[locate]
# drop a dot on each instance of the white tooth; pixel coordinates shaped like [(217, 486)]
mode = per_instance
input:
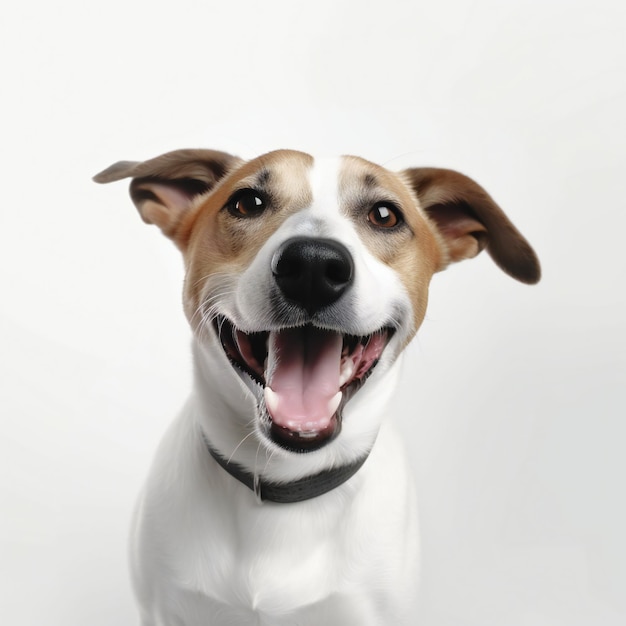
[(270, 361), (271, 399), (333, 404), (347, 369)]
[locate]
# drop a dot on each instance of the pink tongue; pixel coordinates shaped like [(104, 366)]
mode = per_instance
[(303, 393)]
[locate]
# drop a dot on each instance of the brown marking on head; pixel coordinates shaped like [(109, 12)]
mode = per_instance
[(186, 192), (218, 242), (410, 248)]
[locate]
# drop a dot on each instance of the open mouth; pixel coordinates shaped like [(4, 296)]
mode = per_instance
[(307, 375)]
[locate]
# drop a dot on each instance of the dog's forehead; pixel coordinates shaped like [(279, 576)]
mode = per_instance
[(320, 177), (324, 177), (287, 168)]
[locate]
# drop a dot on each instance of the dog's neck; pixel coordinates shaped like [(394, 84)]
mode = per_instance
[(298, 490)]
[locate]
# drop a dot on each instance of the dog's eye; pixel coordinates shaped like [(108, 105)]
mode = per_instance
[(384, 215), (246, 203)]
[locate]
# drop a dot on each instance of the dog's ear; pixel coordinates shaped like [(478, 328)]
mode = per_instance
[(469, 221), (163, 188)]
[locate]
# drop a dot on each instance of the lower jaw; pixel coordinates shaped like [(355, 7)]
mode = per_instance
[(304, 441)]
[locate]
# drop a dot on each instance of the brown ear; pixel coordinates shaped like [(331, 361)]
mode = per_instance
[(469, 221), (163, 188)]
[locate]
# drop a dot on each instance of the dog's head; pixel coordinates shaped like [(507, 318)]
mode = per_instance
[(307, 277)]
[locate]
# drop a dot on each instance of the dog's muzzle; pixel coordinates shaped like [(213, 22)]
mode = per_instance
[(308, 368)]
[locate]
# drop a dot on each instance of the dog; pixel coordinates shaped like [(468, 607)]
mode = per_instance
[(281, 495)]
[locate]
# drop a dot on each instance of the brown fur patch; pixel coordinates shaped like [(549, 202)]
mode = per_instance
[(218, 242), (411, 249)]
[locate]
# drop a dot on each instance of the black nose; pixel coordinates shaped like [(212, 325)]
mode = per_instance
[(312, 273)]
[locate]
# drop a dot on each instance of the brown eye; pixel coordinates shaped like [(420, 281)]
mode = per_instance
[(246, 203), (384, 215)]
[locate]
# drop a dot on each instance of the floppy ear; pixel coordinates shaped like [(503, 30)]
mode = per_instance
[(469, 221), (163, 188)]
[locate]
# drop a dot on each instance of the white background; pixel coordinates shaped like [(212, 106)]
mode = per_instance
[(513, 396)]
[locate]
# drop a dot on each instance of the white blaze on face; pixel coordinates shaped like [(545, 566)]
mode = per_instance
[(303, 385)]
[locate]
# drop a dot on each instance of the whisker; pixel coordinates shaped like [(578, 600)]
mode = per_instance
[(230, 458), (208, 309), (271, 456), (256, 463)]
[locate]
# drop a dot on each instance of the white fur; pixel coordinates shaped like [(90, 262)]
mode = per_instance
[(205, 551)]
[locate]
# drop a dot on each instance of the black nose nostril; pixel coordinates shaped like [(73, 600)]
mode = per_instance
[(312, 273), (338, 272)]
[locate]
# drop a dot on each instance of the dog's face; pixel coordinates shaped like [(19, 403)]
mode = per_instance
[(309, 276)]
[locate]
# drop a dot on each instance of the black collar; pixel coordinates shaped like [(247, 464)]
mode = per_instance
[(294, 491)]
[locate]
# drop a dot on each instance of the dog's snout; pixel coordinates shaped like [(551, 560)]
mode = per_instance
[(312, 273)]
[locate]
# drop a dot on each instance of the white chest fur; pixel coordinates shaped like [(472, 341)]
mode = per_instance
[(225, 558)]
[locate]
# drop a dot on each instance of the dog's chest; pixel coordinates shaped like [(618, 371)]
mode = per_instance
[(270, 561), (210, 554)]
